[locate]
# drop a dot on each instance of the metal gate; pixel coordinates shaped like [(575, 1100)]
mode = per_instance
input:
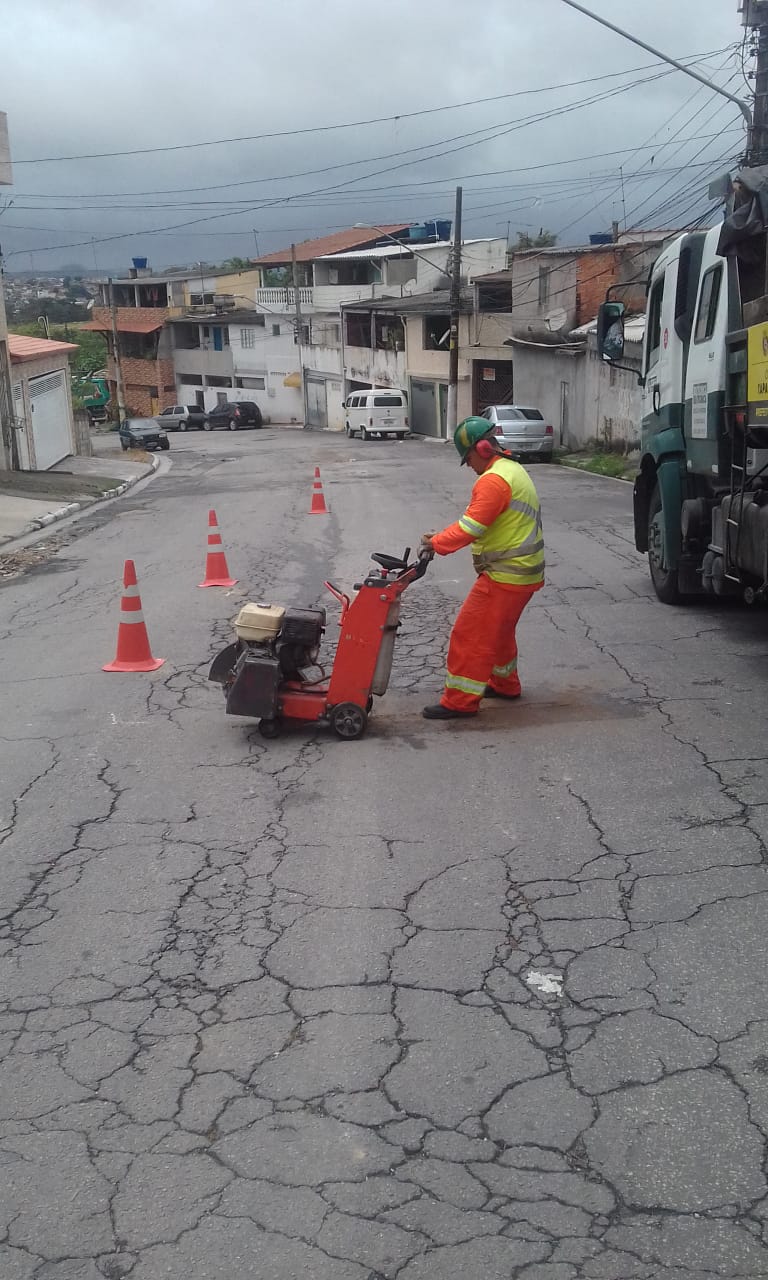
[(494, 383), (50, 419), (425, 420), (317, 402)]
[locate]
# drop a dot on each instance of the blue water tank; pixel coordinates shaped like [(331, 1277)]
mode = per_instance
[(602, 238), (139, 263), (444, 230)]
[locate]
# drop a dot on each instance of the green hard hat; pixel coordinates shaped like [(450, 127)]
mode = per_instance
[(467, 434)]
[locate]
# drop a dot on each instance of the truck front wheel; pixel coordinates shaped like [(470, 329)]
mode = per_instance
[(665, 581)]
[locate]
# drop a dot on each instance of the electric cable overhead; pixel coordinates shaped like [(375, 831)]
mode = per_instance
[(355, 124)]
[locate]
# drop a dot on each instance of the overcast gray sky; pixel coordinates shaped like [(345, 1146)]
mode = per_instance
[(82, 76)]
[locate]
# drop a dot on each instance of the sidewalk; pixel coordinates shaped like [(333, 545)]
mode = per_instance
[(32, 500)]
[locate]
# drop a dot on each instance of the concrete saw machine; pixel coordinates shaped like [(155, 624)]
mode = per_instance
[(270, 672)]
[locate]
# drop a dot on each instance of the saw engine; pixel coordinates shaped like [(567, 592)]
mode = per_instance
[(274, 645)]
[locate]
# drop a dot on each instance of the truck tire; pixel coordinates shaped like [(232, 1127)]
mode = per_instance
[(665, 581)]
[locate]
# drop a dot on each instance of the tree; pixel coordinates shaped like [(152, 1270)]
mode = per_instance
[(544, 240), (236, 264), (92, 347)]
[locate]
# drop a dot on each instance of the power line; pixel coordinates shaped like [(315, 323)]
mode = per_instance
[(336, 187), (353, 124)]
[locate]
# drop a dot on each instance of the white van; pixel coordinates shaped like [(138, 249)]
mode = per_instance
[(378, 411)]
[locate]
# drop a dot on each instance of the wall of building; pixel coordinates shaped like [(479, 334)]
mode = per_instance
[(612, 399), (139, 377), (542, 377), (378, 368)]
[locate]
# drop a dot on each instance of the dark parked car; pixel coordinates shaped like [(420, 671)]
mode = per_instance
[(233, 415), (143, 433), (182, 417)]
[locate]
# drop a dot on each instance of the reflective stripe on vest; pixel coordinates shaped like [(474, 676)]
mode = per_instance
[(511, 549)]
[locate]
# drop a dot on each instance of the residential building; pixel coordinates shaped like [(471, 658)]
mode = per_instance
[(145, 301), (404, 342), (348, 272), (9, 452), (237, 355), (546, 293), (42, 401), (142, 302)]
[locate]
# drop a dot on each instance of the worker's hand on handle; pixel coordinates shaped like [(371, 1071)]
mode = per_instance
[(426, 542)]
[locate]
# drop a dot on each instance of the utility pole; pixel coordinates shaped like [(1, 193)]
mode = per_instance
[(453, 352), (116, 354), (755, 15), (299, 326)]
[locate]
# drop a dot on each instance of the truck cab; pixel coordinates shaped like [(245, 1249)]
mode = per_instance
[(704, 446)]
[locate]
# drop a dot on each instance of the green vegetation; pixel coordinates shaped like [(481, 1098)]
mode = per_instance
[(602, 464), (92, 347), (544, 240)]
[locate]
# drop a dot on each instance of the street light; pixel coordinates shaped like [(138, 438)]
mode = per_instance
[(649, 48)]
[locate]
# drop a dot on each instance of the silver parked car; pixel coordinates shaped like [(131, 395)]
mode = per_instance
[(522, 430)]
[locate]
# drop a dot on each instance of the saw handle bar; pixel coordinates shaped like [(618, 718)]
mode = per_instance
[(411, 572)]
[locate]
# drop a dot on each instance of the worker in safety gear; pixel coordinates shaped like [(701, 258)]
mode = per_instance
[(503, 525)]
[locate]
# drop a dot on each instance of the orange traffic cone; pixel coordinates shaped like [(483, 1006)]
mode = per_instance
[(133, 651), (216, 570), (318, 507)]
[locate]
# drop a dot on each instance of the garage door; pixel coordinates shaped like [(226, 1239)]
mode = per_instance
[(50, 419), (317, 403)]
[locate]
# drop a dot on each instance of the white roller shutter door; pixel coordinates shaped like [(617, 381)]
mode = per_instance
[(50, 420)]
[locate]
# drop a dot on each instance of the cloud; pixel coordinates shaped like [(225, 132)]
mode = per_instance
[(84, 77)]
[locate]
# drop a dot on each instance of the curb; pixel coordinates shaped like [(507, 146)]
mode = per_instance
[(60, 513)]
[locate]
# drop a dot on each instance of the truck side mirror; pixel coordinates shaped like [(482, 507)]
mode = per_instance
[(610, 331)]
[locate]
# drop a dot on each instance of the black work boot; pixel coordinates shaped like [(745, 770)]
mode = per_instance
[(439, 712), (490, 692)]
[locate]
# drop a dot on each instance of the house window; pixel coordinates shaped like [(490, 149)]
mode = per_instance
[(358, 328), (251, 384), (275, 330), (247, 338), (192, 379), (544, 274), (201, 299), (214, 380), (437, 331)]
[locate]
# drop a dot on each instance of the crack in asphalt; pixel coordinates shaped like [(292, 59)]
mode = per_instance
[(215, 1045)]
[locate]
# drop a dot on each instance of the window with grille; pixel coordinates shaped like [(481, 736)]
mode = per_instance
[(247, 338)]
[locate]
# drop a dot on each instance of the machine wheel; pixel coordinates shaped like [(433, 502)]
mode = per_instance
[(369, 704), (270, 728), (665, 581), (348, 721)]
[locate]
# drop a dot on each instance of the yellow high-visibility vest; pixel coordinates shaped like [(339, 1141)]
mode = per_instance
[(511, 550)]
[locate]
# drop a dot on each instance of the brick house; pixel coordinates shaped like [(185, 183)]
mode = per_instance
[(546, 293)]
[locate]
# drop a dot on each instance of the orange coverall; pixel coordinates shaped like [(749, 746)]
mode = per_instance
[(483, 645)]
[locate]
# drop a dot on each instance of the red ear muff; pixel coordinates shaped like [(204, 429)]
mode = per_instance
[(484, 449)]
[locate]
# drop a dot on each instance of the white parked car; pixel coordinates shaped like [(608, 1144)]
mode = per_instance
[(379, 411), (522, 430)]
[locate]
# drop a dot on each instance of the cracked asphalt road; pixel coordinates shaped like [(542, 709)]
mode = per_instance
[(454, 1002)]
